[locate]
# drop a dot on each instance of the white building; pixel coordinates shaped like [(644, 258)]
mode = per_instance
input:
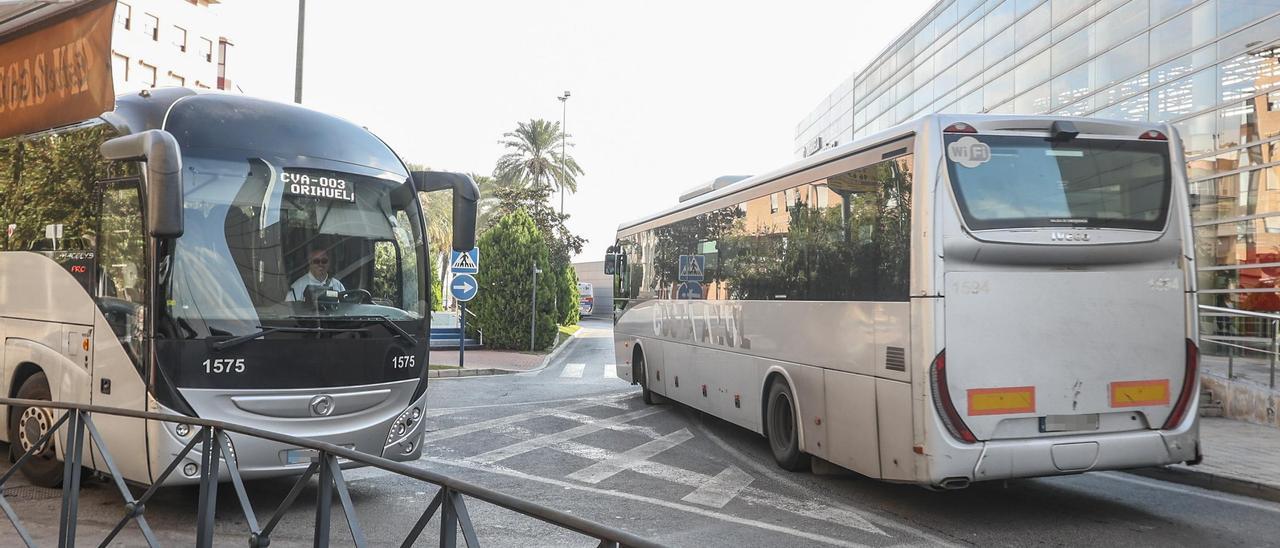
[(158, 43)]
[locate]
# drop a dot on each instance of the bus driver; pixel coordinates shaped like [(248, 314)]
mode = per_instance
[(317, 274)]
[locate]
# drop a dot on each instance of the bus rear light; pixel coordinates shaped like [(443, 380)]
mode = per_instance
[(1188, 387), (1153, 135), (942, 400), (960, 127)]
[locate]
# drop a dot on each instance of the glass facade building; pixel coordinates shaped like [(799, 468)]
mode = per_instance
[(1209, 67)]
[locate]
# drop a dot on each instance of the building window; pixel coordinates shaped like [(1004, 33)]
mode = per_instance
[(151, 26), (207, 44), (148, 74), (773, 203), (120, 67), (124, 15), (180, 38)]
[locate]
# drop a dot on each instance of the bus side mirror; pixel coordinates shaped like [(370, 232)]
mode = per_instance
[(610, 266), (466, 197), (160, 151)]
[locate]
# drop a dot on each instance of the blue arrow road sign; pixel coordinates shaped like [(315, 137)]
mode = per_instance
[(465, 262), (463, 287), (689, 290)]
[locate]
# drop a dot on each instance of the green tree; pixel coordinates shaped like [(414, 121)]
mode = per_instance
[(510, 249), (568, 296), (535, 158), (533, 200)]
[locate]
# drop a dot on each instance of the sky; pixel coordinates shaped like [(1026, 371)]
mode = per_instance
[(665, 95)]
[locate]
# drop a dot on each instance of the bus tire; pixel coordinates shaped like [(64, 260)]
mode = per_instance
[(782, 428), (641, 375), (26, 425)]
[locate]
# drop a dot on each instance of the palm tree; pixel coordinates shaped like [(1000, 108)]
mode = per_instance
[(535, 157)]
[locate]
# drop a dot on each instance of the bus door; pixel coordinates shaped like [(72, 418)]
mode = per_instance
[(1066, 309), (119, 349)]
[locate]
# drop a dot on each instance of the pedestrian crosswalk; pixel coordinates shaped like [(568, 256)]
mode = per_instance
[(582, 370)]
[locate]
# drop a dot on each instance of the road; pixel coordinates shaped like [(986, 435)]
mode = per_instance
[(574, 437)]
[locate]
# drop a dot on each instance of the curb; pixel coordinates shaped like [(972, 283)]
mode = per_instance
[(1212, 482), (459, 373), (546, 361)]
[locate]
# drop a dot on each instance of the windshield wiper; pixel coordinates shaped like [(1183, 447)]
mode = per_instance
[(223, 345), (388, 322)]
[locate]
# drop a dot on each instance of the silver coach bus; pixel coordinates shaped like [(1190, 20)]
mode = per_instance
[(960, 298), (222, 257)]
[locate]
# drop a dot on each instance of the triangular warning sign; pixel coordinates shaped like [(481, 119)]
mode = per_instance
[(691, 268), (463, 262)]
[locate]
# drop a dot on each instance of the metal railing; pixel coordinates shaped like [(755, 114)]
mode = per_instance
[(449, 500), (478, 330), (1273, 342)]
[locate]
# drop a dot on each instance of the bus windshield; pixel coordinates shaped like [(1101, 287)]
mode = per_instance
[(268, 244), (1004, 181)]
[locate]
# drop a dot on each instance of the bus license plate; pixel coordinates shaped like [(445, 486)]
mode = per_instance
[(1068, 423), (305, 456)]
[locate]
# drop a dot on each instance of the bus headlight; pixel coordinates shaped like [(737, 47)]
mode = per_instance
[(403, 427)]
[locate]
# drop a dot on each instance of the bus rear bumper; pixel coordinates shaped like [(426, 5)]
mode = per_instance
[(1026, 458)]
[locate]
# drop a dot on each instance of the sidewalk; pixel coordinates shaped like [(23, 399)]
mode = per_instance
[(1239, 457), (507, 360)]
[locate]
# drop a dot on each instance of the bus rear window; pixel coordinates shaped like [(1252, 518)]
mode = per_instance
[(1027, 182)]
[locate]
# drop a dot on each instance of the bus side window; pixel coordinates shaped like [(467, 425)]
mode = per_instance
[(122, 268)]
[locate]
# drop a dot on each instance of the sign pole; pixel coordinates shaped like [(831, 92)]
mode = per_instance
[(533, 308), (462, 335)]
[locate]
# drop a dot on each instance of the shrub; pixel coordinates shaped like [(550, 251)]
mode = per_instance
[(508, 252), (568, 290)]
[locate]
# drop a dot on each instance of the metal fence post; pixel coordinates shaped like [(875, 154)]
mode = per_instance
[(208, 497), (1275, 347), (73, 452), (324, 502), (448, 520)]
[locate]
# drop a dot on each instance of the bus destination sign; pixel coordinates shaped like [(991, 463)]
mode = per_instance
[(317, 184)]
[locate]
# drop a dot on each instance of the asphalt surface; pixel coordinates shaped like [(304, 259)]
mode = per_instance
[(574, 437)]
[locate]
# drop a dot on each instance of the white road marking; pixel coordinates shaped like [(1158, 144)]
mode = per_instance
[(1260, 505), (721, 489), (650, 500), (464, 429), (612, 398), (840, 509), (587, 419), (628, 459), (610, 371), (807, 508), (573, 371), (522, 447)]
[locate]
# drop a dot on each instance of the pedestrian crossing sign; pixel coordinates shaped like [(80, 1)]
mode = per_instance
[(465, 262), (692, 267)]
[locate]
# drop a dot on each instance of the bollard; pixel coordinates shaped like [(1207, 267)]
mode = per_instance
[(1231, 363)]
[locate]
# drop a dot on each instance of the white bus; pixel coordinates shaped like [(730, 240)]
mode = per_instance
[(222, 257), (957, 299), (586, 298)]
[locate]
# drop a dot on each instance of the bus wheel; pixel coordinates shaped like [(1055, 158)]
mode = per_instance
[(639, 373), (782, 428), (27, 425)]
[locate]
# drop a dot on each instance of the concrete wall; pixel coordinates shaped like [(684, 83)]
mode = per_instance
[(593, 272)]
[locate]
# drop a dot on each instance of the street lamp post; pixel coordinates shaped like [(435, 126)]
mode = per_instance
[(297, 77), (564, 125), (533, 308)]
